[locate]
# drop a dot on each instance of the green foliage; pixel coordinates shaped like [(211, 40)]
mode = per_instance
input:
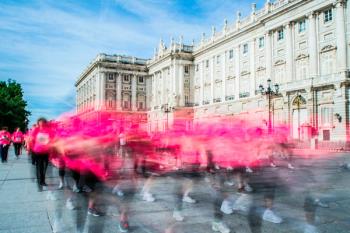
[(13, 111)]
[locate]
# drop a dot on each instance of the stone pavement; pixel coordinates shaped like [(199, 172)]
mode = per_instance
[(25, 210)]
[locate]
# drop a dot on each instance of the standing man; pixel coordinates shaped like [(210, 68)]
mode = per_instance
[(17, 139), (5, 141)]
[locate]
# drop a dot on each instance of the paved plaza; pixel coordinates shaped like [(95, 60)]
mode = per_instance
[(25, 210)]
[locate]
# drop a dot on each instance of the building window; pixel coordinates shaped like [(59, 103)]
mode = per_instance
[(245, 48), (328, 63), (111, 77), (207, 63), (326, 116), (126, 104), (187, 69), (280, 34), (328, 15), (140, 105), (231, 54), (261, 42), (140, 79), (302, 26), (126, 79), (218, 59)]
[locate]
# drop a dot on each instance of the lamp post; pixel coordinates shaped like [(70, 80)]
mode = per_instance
[(298, 101), (167, 109), (270, 91)]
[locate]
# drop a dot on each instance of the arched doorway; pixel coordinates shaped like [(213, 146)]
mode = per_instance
[(299, 115)]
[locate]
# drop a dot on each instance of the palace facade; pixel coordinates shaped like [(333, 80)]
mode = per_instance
[(300, 45)]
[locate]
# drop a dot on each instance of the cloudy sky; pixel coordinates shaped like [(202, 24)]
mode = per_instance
[(45, 45)]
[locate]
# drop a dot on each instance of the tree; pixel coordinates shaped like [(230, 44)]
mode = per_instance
[(13, 111)]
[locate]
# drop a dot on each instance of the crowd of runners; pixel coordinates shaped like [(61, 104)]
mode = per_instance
[(105, 161)]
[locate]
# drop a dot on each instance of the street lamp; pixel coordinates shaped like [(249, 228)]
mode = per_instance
[(298, 101), (270, 92), (167, 109)]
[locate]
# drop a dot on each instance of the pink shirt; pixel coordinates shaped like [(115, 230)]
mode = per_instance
[(5, 137), (17, 137), (42, 139)]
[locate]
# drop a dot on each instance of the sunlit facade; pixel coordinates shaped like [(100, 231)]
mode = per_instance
[(302, 45)]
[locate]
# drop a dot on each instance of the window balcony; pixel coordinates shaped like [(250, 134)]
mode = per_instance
[(230, 97), (217, 100), (206, 102), (244, 95)]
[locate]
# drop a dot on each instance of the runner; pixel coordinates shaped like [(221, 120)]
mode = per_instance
[(5, 141), (41, 145), (17, 139)]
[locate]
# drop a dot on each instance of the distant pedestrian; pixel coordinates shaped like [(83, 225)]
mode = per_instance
[(17, 139), (5, 141), (41, 146)]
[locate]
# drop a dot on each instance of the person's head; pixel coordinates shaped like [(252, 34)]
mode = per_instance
[(4, 128), (41, 122)]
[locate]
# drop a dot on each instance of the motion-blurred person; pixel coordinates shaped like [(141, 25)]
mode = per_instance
[(5, 141), (41, 144), (17, 139)]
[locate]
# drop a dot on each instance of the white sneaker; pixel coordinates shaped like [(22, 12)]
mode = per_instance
[(148, 197), (249, 170), (57, 226), (229, 183), (118, 191), (177, 215), (290, 166), (188, 199), (242, 203), (75, 188), (310, 229), (60, 186), (220, 227), (270, 216), (248, 188), (69, 204), (226, 207)]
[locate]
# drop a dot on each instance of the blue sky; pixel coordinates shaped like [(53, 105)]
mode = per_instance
[(45, 45)]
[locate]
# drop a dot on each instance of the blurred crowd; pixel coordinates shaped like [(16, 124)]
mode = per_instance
[(109, 162)]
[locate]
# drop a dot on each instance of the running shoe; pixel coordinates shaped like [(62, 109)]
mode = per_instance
[(177, 216), (124, 226), (94, 212), (270, 216), (220, 227), (188, 199)]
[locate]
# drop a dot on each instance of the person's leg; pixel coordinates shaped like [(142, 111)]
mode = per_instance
[(2, 153), (46, 164), (6, 150), (38, 165)]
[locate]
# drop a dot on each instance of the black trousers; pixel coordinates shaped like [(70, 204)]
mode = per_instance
[(4, 152), (41, 162), (17, 147)]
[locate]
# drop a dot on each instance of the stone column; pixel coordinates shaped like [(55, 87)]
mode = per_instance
[(252, 67), (212, 79), (313, 46), (181, 85), (119, 91), (341, 37), (102, 90), (133, 93), (289, 52), (237, 71), (223, 98), (201, 99), (268, 56)]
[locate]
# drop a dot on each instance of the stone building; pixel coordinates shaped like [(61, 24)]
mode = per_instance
[(301, 45)]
